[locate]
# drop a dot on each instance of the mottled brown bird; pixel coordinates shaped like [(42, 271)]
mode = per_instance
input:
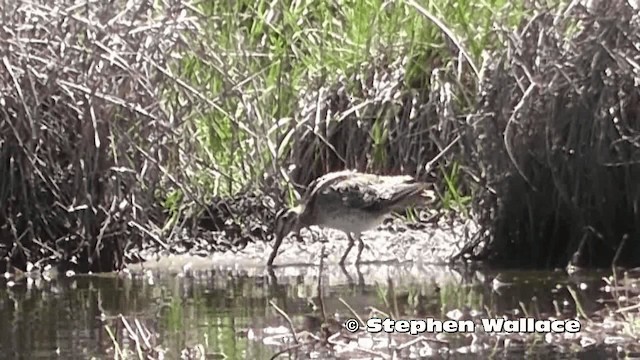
[(352, 202)]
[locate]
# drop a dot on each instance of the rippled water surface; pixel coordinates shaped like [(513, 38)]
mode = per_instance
[(229, 313)]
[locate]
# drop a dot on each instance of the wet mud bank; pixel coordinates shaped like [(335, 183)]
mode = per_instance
[(395, 241)]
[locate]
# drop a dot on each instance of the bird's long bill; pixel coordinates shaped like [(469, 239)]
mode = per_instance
[(276, 246), (285, 220)]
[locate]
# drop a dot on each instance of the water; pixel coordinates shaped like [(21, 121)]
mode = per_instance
[(229, 312)]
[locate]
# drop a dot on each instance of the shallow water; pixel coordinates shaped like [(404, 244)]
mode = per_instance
[(228, 311)]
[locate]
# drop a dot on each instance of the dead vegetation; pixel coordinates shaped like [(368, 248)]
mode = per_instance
[(97, 135), (550, 150), (369, 122), (86, 139), (99, 156), (557, 140)]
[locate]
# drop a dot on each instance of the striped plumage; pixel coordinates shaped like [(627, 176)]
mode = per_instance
[(352, 202)]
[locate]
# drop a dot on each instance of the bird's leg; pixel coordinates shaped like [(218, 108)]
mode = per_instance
[(346, 274), (274, 252), (346, 252), (360, 248)]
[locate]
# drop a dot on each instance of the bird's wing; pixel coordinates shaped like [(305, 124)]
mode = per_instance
[(373, 193), (323, 182)]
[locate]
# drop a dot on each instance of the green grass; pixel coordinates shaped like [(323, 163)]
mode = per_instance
[(257, 61), (453, 198)]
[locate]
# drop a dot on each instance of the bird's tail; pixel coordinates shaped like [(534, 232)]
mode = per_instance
[(410, 194)]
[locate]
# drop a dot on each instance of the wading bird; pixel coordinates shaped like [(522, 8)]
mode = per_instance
[(351, 202)]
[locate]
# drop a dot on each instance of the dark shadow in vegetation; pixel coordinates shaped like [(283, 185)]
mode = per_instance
[(557, 141)]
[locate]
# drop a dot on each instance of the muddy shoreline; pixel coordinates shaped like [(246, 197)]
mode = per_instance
[(394, 242)]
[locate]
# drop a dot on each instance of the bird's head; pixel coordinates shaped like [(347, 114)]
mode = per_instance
[(287, 222)]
